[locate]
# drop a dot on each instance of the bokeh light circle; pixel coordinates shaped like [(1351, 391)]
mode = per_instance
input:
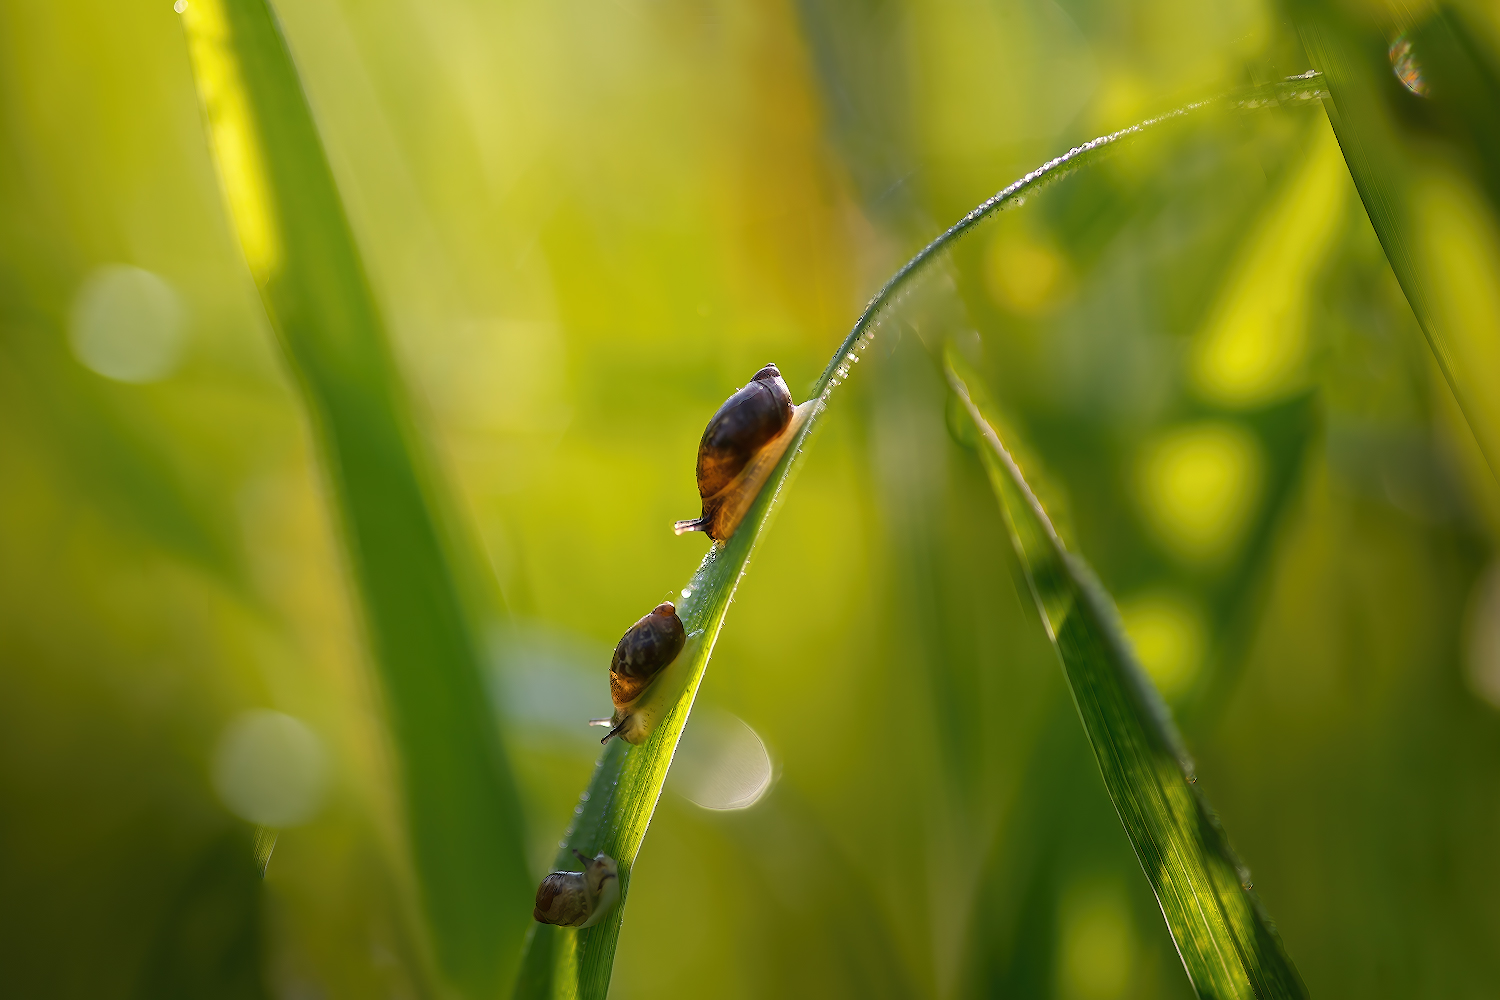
[(127, 324), (270, 769)]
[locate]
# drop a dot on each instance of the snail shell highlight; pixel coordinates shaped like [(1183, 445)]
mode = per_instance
[(579, 899), (742, 443), (646, 649)]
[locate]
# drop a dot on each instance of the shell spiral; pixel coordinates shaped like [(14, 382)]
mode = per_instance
[(578, 899), (646, 648), (739, 430), (741, 427)]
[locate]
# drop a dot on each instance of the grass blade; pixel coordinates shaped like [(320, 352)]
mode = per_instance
[(462, 812), (1387, 134), (616, 808), (1226, 942)]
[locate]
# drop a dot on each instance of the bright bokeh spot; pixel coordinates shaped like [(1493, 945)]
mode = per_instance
[(721, 763), (1254, 347), (1169, 636), (1096, 947), (1025, 275), (270, 769), (1198, 486), (127, 324)]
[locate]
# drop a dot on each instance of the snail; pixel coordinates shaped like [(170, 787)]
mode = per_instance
[(645, 650), (741, 445), (579, 899)]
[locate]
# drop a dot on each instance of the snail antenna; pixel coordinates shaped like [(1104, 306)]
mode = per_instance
[(615, 731), (696, 524)]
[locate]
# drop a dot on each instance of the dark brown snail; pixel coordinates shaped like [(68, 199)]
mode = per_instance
[(647, 648), (579, 899), (741, 445)]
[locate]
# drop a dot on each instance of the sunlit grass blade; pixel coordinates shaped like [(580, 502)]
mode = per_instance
[(462, 812), (616, 808), (1392, 132), (1227, 943)]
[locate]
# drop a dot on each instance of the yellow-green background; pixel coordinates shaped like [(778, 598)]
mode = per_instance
[(587, 224)]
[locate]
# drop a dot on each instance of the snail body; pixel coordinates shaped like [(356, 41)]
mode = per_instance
[(579, 899), (744, 440), (645, 650)]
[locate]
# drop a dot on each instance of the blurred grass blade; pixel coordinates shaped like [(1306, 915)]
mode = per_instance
[(462, 812), (616, 808), (1393, 133), (1227, 943)]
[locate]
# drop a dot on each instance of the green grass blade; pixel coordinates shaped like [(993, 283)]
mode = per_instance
[(1459, 120), (1226, 942), (616, 808), (462, 812)]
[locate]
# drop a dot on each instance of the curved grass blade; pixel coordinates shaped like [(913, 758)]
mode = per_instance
[(462, 812), (1227, 943), (616, 808), (1447, 104)]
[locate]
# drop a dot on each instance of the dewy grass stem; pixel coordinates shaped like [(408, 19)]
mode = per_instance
[(1294, 90), (615, 809)]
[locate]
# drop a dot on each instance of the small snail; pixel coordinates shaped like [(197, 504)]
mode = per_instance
[(647, 648), (579, 899), (741, 445)]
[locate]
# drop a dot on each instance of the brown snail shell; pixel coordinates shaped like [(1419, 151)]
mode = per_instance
[(646, 649), (578, 899), (735, 448)]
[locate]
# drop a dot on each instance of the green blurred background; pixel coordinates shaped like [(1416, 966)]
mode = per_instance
[(588, 223)]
